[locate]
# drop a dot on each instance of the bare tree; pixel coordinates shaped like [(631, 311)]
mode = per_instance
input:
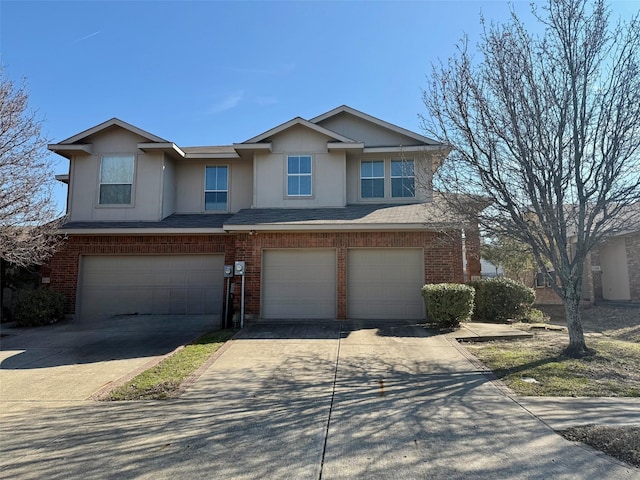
[(548, 129), (28, 219)]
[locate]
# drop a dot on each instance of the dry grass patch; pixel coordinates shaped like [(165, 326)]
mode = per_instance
[(536, 366), (165, 379)]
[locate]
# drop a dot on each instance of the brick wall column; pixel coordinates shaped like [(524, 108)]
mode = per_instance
[(342, 282), (472, 245)]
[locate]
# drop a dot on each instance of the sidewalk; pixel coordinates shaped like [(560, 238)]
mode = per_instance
[(557, 412)]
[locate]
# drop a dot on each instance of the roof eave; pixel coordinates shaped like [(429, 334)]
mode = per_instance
[(256, 146), (141, 231), (166, 147), (69, 150), (357, 146), (406, 149), (309, 227)]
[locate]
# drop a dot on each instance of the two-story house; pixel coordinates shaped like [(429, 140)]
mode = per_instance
[(334, 217)]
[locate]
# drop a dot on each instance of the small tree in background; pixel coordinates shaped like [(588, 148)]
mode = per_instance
[(28, 219), (513, 256), (548, 129)]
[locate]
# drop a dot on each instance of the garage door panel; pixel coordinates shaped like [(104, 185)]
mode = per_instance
[(298, 283), (385, 283), (153, 284)]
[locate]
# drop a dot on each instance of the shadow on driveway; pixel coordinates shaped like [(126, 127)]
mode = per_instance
[(117, 338)]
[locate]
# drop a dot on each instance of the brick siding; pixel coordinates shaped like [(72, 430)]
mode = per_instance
[(442, 255), (633, 259)]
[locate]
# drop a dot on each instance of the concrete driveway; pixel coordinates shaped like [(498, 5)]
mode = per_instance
[(70, 361), (324, 401)]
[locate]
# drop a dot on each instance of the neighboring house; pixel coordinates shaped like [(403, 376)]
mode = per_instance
[(615, 266), (334, 217)]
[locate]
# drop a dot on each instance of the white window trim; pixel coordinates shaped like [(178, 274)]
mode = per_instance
[(391, 176), (384, 180), (133, 181), (287, 175), (205, 191)]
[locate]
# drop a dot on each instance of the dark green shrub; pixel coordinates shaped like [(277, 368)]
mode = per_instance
[(39, 307), (448, 304), (500, 299)]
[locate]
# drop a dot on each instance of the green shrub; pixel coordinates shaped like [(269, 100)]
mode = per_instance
[(498, 300), (533, 315), (448, 304), (39, 307)]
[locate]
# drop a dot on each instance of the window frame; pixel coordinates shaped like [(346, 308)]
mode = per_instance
[(412, 177), (545, 281), (205, 190), (299, 175), (383, 178), (130, 156)]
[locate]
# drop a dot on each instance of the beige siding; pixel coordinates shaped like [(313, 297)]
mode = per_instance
[(152, 284), (299, 283), (615, 271), (363, 131), (190, 176), (85, 178), (168, 187), (329, 171), (385, 283), (422, 162)]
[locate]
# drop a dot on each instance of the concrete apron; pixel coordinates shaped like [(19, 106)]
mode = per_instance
[(370, 401), (69, 361)]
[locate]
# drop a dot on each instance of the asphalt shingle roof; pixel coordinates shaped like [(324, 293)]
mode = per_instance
[(173, 221), (427, 214)]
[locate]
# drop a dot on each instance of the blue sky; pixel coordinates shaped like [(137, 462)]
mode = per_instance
[(214, 73)]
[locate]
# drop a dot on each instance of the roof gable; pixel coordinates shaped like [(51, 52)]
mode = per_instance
[(299, 121), (108, 124), (330, 117)]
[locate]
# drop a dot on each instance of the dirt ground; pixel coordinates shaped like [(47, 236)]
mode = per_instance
[(620, 323)]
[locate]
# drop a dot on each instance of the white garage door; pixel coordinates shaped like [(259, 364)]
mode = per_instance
[(299, 283), (385, 283), (150, 284)]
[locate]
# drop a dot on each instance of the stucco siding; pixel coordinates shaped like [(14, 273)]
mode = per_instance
[(190, 175), (328, 172), (422, 162), (85, 180), (363, 131), (168, 187)]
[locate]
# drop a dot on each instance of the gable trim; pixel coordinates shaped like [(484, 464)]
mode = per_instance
[(110, 123), (376, 121), (299, 121)]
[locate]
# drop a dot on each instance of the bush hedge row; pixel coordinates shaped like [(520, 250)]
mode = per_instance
[(39, 307), (490, 300), (500, 299)]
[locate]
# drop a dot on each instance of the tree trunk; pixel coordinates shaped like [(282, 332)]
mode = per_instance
[(577, 347)]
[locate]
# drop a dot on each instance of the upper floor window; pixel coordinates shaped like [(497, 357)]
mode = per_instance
[(372, 179), (402, 178), (116, 179), (299, 175), (216, 188)]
